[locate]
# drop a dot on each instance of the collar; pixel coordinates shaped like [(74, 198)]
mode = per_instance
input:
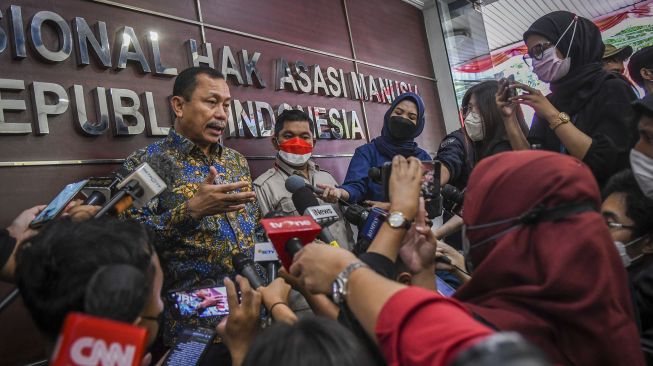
[(289, 170), (186, 146)]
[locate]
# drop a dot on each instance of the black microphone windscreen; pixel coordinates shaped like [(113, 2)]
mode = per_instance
[(295, 183), (374, 174), (272, 214), (164, 166), (304, 198), (245, 267)]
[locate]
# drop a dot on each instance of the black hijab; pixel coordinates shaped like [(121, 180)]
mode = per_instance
[(586, 74)]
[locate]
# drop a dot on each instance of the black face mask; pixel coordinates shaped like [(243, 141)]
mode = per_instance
[(401, 128)]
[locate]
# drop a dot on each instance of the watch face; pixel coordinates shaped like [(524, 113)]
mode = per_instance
[(396, 220)]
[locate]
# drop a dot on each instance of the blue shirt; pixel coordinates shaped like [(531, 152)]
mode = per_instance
[(357, 182)]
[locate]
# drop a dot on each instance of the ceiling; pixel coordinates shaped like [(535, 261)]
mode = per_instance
[(471, 34)]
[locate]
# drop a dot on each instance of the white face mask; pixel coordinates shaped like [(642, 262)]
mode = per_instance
[(642, 167), (552, 68), (621, 248), (474, 126)]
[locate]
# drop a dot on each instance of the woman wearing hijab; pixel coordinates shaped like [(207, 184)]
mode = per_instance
[(403, 122), (588, 114), (543, 261)]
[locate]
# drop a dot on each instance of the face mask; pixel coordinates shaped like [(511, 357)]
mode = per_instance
[(642, 167), (474, 126), (621, 248), (401, 128), (295, 152), (533, 216), (551, 68)]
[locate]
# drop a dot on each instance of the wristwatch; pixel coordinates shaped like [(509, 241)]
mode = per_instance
[(397, 220), (562, 119), (339, 287)]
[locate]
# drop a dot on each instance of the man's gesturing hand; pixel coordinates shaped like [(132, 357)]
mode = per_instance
[(212, 199)]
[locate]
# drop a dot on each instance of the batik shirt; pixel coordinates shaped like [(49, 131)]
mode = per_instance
[(193, 252)]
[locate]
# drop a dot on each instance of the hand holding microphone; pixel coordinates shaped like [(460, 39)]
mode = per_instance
[(318, 265), (212, 199)]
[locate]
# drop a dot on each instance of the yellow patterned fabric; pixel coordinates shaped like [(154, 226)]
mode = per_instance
[(193, 253)]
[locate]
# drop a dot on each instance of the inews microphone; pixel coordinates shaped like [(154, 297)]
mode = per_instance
[(88, 340), (266, 256), (99, 190), (245, 267), (137, 189), (304, 199), (295, 183), (290, 234)]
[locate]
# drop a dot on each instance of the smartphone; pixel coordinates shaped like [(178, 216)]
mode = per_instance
[(443, 287), (190, 347), (57, 205), (430, 189), (510, 91), (200, 302)]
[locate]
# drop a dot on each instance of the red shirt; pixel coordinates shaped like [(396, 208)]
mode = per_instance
[(421, 327)]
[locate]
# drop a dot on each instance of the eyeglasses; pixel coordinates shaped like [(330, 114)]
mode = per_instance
[(536, 52), (616, 225)]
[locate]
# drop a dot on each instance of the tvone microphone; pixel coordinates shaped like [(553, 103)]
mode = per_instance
[(304, 199), (245, 267), (99, 190), (290, 234), (89, 340), (266, 255), (137, 189)]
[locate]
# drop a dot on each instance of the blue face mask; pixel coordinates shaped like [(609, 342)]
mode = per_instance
[(533, 216)]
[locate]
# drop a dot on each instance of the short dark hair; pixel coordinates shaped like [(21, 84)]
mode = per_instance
[(54, 270), (639, 208), (642, 59), (311, 341), (186, 81), (290, 115)]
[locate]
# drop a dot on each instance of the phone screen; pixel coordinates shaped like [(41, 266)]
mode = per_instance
[(444, 288), (190, 347), (57, 205), (202, 302)]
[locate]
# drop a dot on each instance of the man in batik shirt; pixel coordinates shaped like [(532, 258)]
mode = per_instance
[(208, 212)]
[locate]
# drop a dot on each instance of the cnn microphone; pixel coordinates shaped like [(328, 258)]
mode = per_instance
[(304, 200), (89, 340), (295, 183), (137, 189), (290, 234), (245, 267), (99, 190)]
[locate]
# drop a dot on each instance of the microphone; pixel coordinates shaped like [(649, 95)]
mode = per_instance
[(245, 267), (295, 183), (290, 234), (99, 190), (137, 189), (266, 256), (89, 340), (304, 200), (374, 173), (369, 223), (453, 198)]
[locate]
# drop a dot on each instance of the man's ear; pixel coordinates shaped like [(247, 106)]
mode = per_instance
[(405, 278), (177, 104), (275, 143)]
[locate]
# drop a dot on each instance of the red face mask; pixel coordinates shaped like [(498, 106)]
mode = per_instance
[(295, 151)]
